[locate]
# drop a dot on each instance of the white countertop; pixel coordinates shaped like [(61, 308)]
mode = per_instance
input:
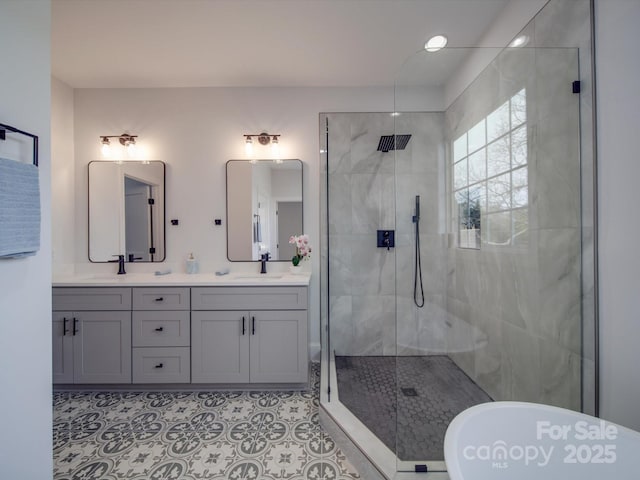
[(181, 280)]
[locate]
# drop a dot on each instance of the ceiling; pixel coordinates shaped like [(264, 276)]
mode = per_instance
[(252, 43)]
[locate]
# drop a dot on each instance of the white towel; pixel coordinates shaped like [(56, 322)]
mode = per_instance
[(19, 209)]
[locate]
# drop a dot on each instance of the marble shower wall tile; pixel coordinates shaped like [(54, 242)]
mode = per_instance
[(560, 287), (430, 189), (562, 373), (369, 315), (425, 151), (519, 294), (339, 144), (372, 202), (339, 201), (340, 265), (366, 194), (433, 328), (372, 268), (522, 357), (557, 171), (491, 370), (366, 130), (342, 328), (433, 266)]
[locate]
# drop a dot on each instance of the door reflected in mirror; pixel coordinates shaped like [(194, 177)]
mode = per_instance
[(126, 211), (264, 209)]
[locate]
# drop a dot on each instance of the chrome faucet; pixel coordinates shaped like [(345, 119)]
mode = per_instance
[(120, 264), (264, 258)]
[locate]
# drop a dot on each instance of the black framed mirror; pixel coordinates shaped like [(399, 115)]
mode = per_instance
[(127, 211), (264, 208)]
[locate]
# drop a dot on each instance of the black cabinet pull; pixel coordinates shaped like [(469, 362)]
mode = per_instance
[(253, 325), (159, 365), (244, 329), (160, 299), (64, 326), (75, 326), (159, 329)]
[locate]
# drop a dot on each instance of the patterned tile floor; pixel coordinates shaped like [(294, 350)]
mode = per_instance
[(257, 435)]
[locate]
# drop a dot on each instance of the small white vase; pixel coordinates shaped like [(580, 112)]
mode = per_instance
[(295, 270)]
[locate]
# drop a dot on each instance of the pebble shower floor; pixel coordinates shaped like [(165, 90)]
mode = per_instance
[(257, 435)]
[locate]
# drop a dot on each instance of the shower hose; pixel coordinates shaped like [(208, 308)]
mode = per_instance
[(418, 299)]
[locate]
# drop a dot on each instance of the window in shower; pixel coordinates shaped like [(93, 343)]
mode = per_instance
[(490, 178)]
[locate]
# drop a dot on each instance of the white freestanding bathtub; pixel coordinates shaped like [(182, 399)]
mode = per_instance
[(527, 441)]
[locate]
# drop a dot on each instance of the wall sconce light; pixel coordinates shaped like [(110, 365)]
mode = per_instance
[(264, 138), (126, 140)]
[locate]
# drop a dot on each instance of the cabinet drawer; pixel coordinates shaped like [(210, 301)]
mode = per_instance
[(161, 299), (91, 299), (161, 365), (249, 298), (161, 329)]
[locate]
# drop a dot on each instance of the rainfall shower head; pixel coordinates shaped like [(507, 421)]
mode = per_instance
[(393, 142)]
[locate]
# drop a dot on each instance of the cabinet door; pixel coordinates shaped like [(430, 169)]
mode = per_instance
[(279, 346), (62, 336), (220, 347), (102, 347)]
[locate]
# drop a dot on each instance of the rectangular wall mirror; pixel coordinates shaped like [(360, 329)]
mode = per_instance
[(127, 211), (264, 209)]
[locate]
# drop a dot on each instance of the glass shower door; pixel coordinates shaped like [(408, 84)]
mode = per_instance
[(489, 274)]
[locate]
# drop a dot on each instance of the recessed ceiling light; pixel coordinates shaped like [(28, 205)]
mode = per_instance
[(520, 41), (435, 43), (395, 114)]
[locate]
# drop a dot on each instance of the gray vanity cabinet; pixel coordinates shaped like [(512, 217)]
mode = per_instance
[(177, 335), (249, 335), (92, 335)]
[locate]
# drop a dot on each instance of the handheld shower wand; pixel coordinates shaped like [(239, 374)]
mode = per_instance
[(417, 271)]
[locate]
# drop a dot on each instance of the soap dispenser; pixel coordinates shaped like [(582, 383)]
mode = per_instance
[(192, 264)]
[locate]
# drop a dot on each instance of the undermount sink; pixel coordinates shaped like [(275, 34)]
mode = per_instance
[(102, 276), (258, 276)]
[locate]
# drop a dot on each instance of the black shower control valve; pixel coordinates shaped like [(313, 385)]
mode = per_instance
[(386, 239), (218, 221), (175, 221)]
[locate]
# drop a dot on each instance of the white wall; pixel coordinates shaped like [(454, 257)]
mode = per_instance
[(195, 131), (63, 180), (25, 284), (618, 104)]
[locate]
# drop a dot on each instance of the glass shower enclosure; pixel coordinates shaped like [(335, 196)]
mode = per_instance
[(457, 266)]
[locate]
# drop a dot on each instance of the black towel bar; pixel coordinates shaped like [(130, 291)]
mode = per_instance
[(3, 136)]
